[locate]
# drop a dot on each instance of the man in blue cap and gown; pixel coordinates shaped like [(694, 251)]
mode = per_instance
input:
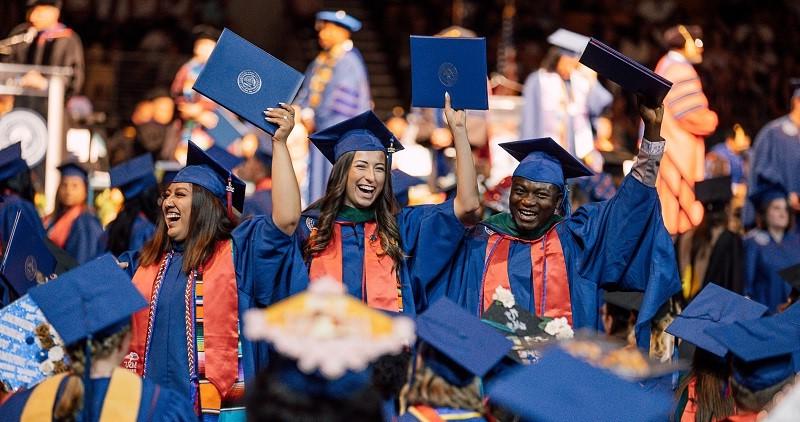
[(336, 88), (555, 263)]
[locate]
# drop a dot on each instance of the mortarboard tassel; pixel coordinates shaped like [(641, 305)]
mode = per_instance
[(389, 151), (229, 197)]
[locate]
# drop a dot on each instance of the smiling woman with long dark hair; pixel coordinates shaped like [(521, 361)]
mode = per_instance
[(358, 234), (200, 271)]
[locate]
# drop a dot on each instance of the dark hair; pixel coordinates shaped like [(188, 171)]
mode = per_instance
[(270, 400), (710, 374), (209, 224), (550, 60), (761, 215), (716, 215), (21, 184), (620, 321), (332, 203), (119, 230), (756, 400)]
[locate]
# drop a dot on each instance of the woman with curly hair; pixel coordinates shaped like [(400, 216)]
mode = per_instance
[(93, 320)]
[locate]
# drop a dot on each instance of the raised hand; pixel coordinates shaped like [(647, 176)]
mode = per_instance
[(456, 119), (652, 118), (283, 117)]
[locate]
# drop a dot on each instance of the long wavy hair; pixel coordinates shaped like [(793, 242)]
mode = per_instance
[(72, 399), (710, 374), (208, 223), (119, 230), (332, 202), (429, 389)]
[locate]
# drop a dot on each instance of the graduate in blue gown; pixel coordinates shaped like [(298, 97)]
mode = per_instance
[(336, 88), (202, 268), (357, 233), (775, 154), (73, 226), (770, 247), (135, 222), (16, 191), (258, 169), (93, 316), (555, 263)]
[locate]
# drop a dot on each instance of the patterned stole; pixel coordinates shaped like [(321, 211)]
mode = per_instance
[(550, 284), (213, 343), (380, 286), (59, 231)]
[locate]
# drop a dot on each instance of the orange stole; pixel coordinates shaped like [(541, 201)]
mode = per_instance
[(550, 285), (60, 230), (379, 284), (220, 320)]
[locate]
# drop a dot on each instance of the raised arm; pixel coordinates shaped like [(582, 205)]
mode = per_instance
[(645, 169), (285, 191), (467, 202)]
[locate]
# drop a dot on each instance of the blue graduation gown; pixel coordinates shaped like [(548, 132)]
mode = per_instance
[(84, 240), (8, 212), (764, 257), (345, 95), (259, 203), (263, 257), (620, 243), (775, 154), (156, 404), (429, 236)]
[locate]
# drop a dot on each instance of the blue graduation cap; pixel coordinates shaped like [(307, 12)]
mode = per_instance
[(544, 160), (571, 43), (11, 161), (449, 64), (134, 176), (227, 130), (341, 18), (79, 306), (222, 156), (712, 307), (766, 192), (762, 349), (401, 183), (246, 80), (461, 346), (169, 169), (562, 388), (73, 168), (203, 170), (364, 132)]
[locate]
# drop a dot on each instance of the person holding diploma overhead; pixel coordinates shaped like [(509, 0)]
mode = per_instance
[(201, 271), (336, 88), (73, 226), (555, 263), (385, 255)]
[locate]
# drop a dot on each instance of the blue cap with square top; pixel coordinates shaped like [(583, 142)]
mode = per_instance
[(544, 160), (203, 170), (11, 162), (341, 18), (714, 306), (364, 132), (134, 176)]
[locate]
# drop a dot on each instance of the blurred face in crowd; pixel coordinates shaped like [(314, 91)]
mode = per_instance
[(331, 34), (44, 17), (176, 205), (163, 110), (252, 170), (203, 48), (532, 203), (142, 113), (566, 65), (777, 214), (72, 191), (365, 179)]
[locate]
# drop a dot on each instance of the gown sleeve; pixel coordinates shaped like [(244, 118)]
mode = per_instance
[(431, 235), (622, 244), (83, 241), (269, 265)]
